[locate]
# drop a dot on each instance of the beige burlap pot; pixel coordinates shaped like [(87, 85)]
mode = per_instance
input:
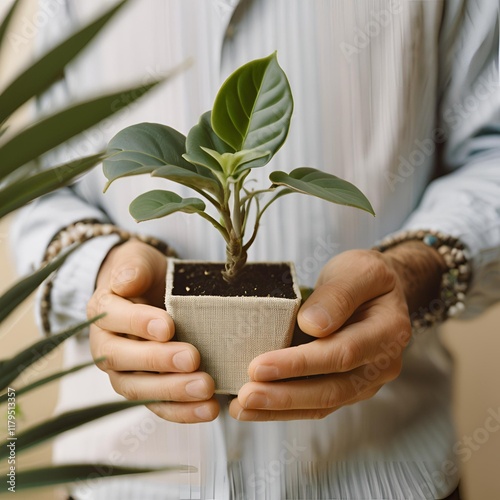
[(231, 331)]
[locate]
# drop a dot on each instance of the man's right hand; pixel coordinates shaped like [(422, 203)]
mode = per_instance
[(135, 338)]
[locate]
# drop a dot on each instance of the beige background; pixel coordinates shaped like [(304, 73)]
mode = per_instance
[(475, 346)]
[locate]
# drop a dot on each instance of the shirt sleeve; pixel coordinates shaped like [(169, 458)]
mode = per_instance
[(35, 225), (465, 203)]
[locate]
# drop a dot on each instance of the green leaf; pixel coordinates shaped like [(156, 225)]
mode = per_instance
[(142, 148), (26, 286), (193, 176), (41, 137), (202, 137), (24, 190), (325, 186), (158, 203), (6, 22), (253, 108), (49, 476), (24, 359), (65, 422), (49, 378), (41, 74)]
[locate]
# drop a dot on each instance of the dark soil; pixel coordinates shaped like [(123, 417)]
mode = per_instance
[(255, 280)]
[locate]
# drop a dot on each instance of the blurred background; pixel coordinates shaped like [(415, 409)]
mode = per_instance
[(475, 346)]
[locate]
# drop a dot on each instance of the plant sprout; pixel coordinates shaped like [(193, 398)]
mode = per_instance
[(248, 124)]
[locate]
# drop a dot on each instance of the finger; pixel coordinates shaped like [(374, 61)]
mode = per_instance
[(186, 413), (124, 316), (380, 338), (123, 354), (242, 414), (198, 386), (137, 269), (325, 392), (346, 282)]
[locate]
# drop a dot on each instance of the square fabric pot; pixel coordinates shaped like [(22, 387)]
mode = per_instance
[(229, 332)]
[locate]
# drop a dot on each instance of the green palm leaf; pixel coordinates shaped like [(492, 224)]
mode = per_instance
[(50, 378), (21, 192), (8, 18), (21, 290), (65, 422), (50, 132), (40, 75), (49, 476), (16, 365)]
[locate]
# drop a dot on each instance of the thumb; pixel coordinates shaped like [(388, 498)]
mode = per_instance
[(137, 268)]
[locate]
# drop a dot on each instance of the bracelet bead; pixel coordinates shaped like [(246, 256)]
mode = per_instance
[(454, 282)]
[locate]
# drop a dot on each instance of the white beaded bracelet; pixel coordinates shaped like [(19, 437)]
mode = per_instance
[(80, 232), (455, 281)]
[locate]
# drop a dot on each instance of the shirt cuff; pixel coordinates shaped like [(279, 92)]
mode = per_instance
[(74, 284)]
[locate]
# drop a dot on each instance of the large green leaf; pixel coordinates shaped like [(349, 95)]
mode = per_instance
[(24, 190), (49, 476), (65, 422), (252, 109), (16, 365), (26, 286), (6, 22), (194, 176), (202, 136), (50, 132), (326, 186), (41, 74), (158, 203), (142, 148)]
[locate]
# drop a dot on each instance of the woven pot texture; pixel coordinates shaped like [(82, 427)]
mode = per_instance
[(231, 331)]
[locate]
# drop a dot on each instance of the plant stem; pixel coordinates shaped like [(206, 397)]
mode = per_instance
[(222, 230)]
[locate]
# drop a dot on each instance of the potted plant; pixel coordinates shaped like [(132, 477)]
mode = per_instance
[(248, 124)]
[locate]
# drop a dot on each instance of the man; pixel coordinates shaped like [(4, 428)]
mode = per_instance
[(388, 95)]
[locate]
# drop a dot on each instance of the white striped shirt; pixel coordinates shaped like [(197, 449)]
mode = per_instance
[(375, 83)]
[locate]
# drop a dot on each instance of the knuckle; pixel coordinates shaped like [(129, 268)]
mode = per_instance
[(319, 414), (92, 307), (98, 303), (107, 351), (329, 397), (341, 296), (121, 384), (150, 361), (286, 402), (395, 369), (349, 356), (299, 364), (126, 388)]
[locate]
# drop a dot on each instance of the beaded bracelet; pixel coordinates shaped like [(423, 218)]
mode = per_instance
[(80, 232), (455, 281)]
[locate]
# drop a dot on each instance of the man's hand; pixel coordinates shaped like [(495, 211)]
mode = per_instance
[(360, 318), (135, 338)]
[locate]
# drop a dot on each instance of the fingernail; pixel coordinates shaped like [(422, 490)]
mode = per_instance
[(125, 276), (264, 373), (196, 389), (183, 361), (317, 316), (157, 328), (203, 412), (257, 400)]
